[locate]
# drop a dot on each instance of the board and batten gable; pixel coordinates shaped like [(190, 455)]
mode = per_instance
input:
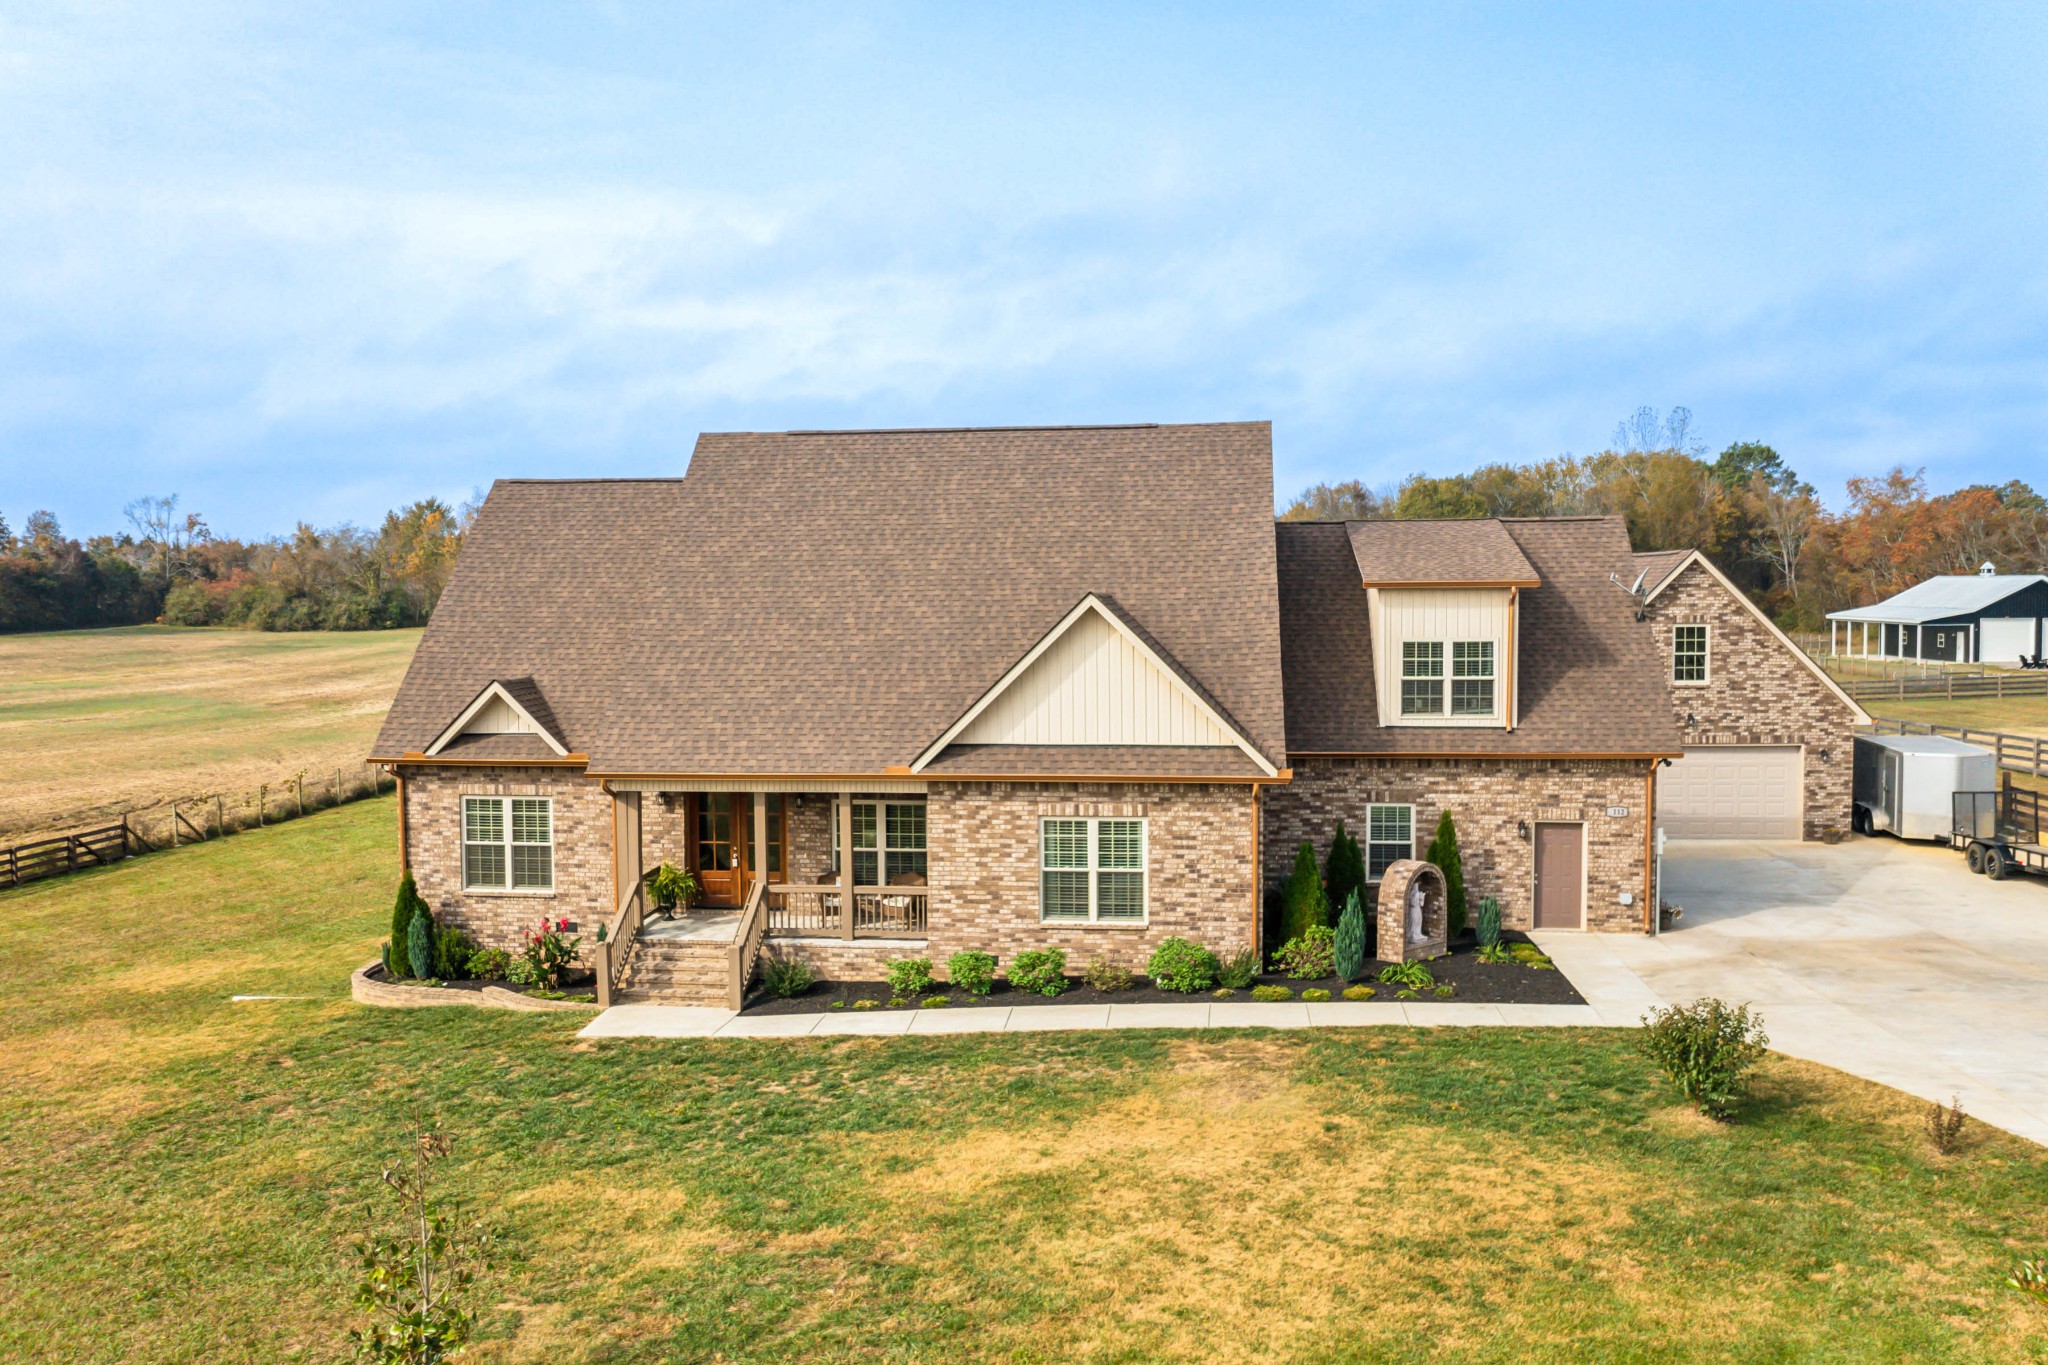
[(1093, 685), (1447, 615)]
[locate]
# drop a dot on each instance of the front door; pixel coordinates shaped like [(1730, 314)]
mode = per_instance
[(1560, 876), (718, 846)]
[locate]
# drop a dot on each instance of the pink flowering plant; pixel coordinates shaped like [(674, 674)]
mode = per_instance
[(549, 953)]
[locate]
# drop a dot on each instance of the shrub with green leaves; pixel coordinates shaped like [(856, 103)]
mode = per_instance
[(1359, 992), (1488, 926), (1105, 975), (1315, 995), (1238, 970), (934, 1002), (1707, 1048), (1302, 905), (1443, 851), (972, 971), (408, 904), (1414, 975), (1042, 971), (1497, 954), (452, 951), (522, 971), (489, 964), (1310, 957), (1348, 951), (1343, 870), (419, 941), (1272, 993), (908, 976), (787, 977), (1178, 965)]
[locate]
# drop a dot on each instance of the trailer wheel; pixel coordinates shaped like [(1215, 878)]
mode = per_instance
[(1975, 857), (1995, 864)]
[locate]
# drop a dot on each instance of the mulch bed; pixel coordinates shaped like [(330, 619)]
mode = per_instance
[(572, 982), (1472, 982)]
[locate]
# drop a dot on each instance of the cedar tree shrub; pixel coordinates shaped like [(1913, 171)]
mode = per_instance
[(419, 940), (1344, 872), (1443, 851), (1302, 906), (409, 902), (1350, 947)]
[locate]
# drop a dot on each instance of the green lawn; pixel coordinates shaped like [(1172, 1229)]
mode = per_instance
[(146, 713), (180, 1176)]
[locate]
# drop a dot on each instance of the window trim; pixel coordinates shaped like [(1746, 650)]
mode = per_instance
[(1706, 631), (1440, 678), (883, 848), (506, 842), (1446, 679), (1095, 869), (1491, 677), (1367, 846)]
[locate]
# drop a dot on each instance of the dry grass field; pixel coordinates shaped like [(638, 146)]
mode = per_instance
[(96, 722)]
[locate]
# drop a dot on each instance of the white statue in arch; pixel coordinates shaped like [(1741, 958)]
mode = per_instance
[(1417, 898)]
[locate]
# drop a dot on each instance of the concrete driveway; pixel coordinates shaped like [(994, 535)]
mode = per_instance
[(1881, 958)]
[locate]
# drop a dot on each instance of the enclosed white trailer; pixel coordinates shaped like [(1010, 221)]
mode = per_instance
[(1906, 784)]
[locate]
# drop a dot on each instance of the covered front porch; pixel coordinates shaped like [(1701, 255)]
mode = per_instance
[(767, 859)]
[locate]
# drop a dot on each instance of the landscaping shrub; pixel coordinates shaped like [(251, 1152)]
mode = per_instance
[(1315, 994), (908, 975), (1310, 957), (1529, 955), (1042, 971), (1359, 992), (1178, 965), (549, 954), (972, 971), (1443, 851), (1496, 954), (489, 964), (1105, 975), (1488, 927), (864, 1003), (1348, 955), (1707, 1047), (1270, 993), (419, 940), (1223, 992), (452, 951), (1414, 975), (787, 977), (933, 1002), (408, 904), (520, 971), (1945, 1125), (1343, 871), (1302, 904), (1238, 970)]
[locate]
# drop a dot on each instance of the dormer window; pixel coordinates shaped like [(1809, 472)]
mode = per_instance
[(1422, 678), (1471, 678)]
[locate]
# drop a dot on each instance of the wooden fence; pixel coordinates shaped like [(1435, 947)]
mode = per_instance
[(1990, 683), (2019, 753), (187, 820)]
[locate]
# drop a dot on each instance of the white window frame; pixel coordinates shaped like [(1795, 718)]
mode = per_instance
[(1372, 878), (1706, 653), (506, 843), (1491, 677), (1095, 869), (882, 847), (1440, 677), (1446, 679)]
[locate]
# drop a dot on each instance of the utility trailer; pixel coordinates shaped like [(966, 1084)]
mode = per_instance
[(2000, 832), (1904, 785)]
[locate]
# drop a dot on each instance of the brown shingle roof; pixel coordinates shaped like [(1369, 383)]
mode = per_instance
[(1658, 565), (831, 602), (1447, 552), (1590, 681)]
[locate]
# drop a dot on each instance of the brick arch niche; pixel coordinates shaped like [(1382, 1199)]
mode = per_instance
[(1413, 925)]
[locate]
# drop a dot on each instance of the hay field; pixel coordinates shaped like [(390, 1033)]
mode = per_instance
[(96, 722)]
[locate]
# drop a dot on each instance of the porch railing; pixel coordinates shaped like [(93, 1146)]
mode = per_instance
[(609, 956), (746, 941), (818, 910)]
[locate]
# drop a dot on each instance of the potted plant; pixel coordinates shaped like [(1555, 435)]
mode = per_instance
[(671, 886)]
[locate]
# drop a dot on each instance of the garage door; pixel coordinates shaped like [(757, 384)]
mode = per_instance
[(1731, 792), (2003, 639)]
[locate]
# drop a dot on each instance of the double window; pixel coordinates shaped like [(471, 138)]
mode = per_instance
[(1389, 837), (1689, 654), (1471, 678), (508, 843), (1091, 871), (888, 843)]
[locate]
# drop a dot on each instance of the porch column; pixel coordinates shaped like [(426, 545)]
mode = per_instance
[(1834, 638), (626, 844), (761, 839), (846, 864)]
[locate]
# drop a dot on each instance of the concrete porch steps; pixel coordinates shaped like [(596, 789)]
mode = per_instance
[(677, 972)]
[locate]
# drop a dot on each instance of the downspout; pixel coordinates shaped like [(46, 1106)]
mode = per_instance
[(404, 843), (1258, 881), (1650, 907)]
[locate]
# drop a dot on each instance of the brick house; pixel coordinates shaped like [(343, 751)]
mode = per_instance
[(907, 692)]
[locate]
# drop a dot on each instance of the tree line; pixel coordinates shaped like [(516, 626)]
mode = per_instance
[(1746, 508), (169, 566)]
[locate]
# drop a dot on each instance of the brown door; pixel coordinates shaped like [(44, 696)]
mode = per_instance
[(1560, 876), (718, 846)]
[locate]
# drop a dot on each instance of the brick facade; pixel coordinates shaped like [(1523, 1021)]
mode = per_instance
[(502, 919), (1486, 798), (1758, 692), (984, 860)]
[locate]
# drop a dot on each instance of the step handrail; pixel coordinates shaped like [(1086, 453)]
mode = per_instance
[(609, 955), (746, 942)]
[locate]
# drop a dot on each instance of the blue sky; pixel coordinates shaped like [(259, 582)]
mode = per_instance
[(312, 261)]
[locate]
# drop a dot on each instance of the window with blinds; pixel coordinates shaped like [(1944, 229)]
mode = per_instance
[(1091, 871), (508, 843), (1389, 837)]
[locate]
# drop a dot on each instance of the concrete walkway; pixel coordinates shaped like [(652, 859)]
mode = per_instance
[(1884, 959)]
